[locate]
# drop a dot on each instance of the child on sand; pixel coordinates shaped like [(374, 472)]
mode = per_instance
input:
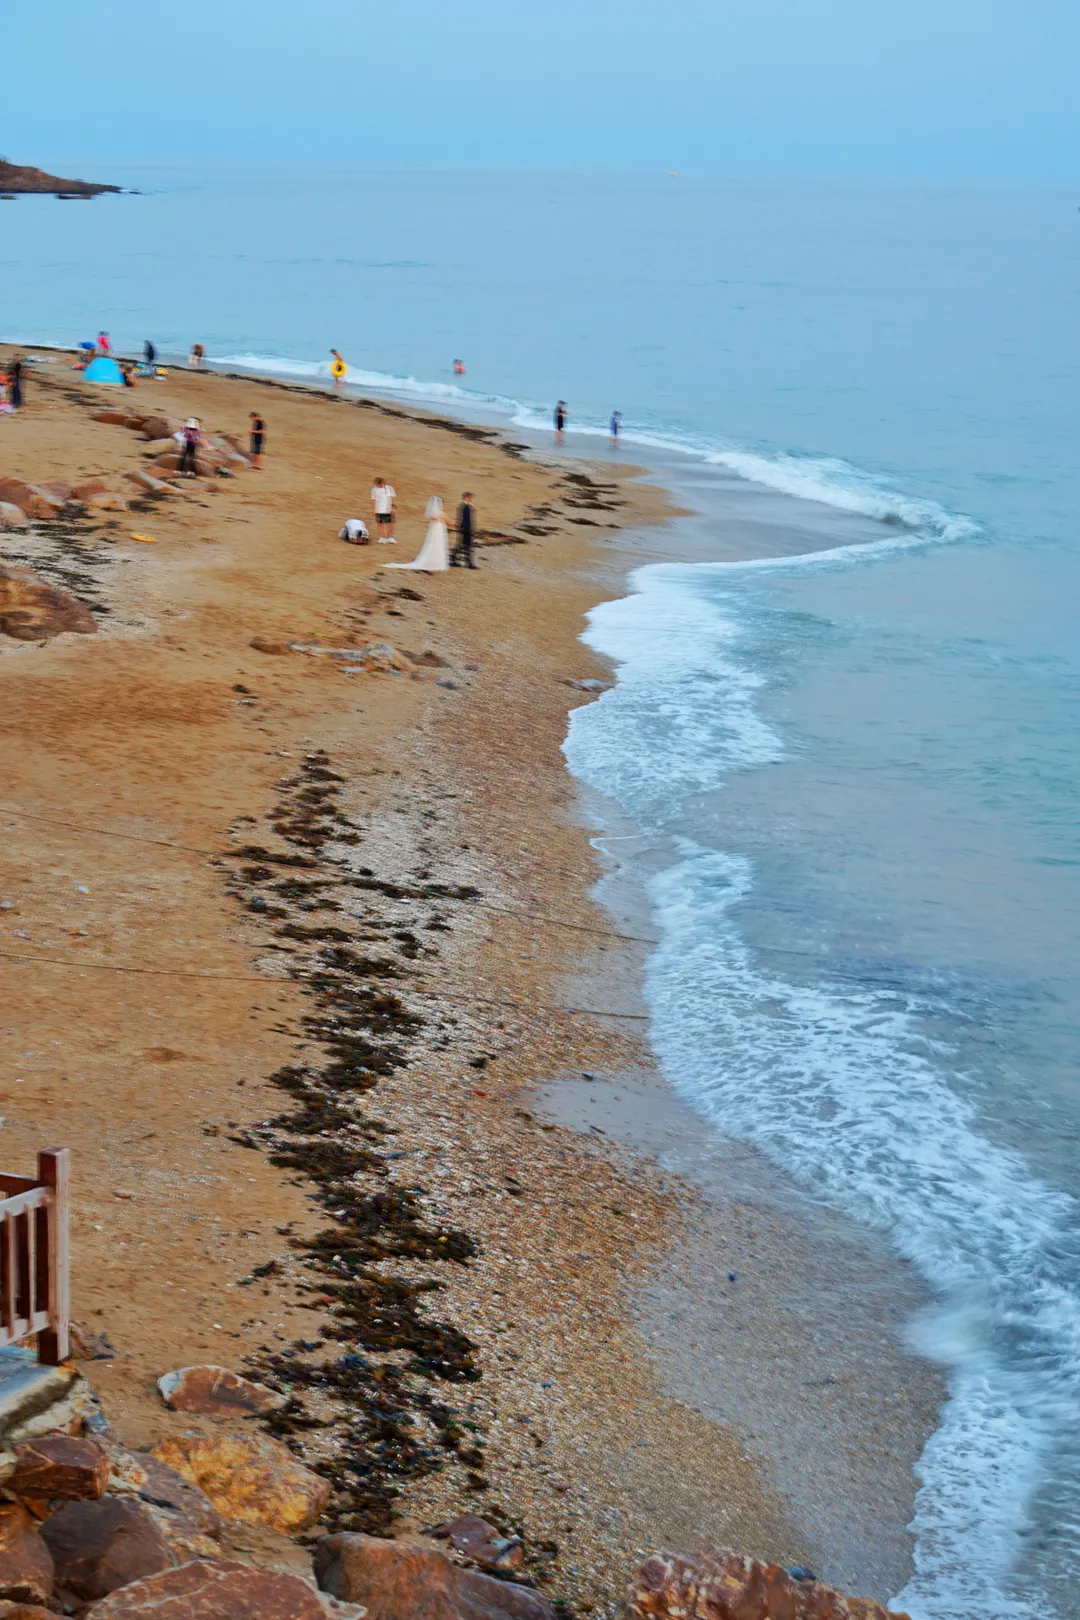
[(382, 499)]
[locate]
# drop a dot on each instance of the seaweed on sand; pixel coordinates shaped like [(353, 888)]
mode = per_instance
[(391, 1422)]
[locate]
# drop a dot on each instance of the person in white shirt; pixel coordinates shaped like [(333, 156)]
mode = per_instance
[(382, 499), (355, 532)]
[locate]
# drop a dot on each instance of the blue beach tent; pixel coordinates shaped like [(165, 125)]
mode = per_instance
[(103, 370)]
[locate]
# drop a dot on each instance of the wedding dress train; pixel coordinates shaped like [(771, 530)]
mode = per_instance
[(435, 552)]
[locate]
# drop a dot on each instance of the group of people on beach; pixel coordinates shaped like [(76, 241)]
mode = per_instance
[(435, 555)]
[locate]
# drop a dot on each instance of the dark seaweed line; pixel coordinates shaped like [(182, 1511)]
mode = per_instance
[(395, 1424)]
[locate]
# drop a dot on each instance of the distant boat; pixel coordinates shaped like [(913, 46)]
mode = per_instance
[(8, 196)]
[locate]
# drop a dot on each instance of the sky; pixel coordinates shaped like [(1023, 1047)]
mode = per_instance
[(925, 89)]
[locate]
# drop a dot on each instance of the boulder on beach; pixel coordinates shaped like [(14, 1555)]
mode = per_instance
[(217, 1391), (249, 1477), (12, 516), (202, 1591), (729, 1586), (98, 1546), (32, 499), (33, 610), (26, 1566), (407, 1580), (62, 1465)]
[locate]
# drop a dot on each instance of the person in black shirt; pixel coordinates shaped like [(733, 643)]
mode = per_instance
[(258, 436), (466, 530), (149, 355)]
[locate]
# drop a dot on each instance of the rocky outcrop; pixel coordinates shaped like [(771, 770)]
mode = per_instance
[(248, 1477), (406, 1580), (60, 1465), (225, 1591), (217, 1392), (19, 178), (727, 1586), (12, 516), (26, 1565), (99, 1546), (33, 610)]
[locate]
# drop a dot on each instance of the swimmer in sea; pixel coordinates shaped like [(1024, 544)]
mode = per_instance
[(459, 368)]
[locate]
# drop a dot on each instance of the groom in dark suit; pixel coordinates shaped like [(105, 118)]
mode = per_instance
[(466, 529)]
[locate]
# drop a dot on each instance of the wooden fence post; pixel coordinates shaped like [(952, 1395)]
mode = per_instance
[(54, 1170)]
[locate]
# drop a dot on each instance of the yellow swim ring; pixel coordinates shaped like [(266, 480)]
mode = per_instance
[(337, 368)]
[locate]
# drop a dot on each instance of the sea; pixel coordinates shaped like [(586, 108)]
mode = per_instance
[(847, 726)]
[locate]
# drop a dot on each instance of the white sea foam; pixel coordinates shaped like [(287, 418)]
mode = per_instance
[(825, 479), (840, 1087)]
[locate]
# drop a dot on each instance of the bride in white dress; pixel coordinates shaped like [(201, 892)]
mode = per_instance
[(435, 552)]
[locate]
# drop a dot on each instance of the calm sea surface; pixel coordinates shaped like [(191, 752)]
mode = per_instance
[(862, 762)]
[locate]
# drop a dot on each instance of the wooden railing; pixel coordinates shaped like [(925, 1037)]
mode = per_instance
[(34, 1275)]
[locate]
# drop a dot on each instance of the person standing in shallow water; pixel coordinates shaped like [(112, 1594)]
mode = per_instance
[(616, 428), (560, 421), (15, 392), (462, 554), (258, 437)]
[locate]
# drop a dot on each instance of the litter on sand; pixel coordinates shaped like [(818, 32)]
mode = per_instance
[(147, 539)]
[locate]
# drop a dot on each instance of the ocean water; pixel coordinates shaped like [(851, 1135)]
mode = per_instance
[(848, 728)]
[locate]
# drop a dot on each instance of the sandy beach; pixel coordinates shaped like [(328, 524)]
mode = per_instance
[(301, 962)]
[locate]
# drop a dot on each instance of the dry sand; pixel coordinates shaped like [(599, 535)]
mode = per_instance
[(150, 991)]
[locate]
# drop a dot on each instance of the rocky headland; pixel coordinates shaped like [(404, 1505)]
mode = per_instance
[(18, 177)]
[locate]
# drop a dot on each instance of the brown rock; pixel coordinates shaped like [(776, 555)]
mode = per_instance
[(106, 503), (480, 1542), (12, 516), (25, 1611), (118, 418), (31, 499), (216, 1390), (163, 1487), (221, 1591), (426, 659), (248, 1477), (88, 1346), (26, 1566), (92, 486), (267, 644), (32, 610), (60, 1465), (406, 1580), (727, 1586), (155, 427), (98, 1546), (146, 481), (60, 493)]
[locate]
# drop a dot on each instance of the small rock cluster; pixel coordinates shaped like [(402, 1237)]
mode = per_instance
[(23, 503)]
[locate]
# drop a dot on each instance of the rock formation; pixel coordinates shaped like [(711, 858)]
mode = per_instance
[(19, 178), (727, 1586), (33, 610)]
